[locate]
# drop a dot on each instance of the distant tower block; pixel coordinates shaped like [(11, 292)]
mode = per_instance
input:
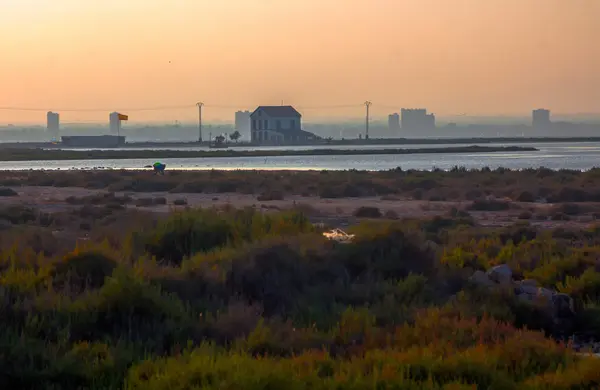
[(541, 118), (53, 124), (242, 123), (115, 123), (115, 119), (394, 123)]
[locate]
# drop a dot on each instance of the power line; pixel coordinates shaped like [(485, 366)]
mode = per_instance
[(160, 108), (229, 107), (330, 107)]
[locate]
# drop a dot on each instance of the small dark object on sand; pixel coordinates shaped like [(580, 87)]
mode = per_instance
[(5, 191)]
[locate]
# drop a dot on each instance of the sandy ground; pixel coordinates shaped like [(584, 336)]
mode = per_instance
[(52, 199)]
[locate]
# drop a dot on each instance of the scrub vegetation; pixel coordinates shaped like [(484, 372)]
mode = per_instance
[(105, 297), (488, 187)]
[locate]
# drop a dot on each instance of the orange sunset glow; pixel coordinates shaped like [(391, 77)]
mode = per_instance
[(452, 56)]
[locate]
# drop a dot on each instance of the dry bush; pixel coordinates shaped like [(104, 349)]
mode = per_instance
[(270, 196), (367, 212), (180, 202), (81, 270), (391, 214), (525, 215), (306, 209), (489, 205)]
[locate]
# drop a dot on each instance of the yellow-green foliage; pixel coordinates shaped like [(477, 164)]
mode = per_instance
[(483, 354), (236, 299)]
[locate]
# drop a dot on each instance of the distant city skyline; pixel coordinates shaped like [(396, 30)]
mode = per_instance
[(480, 57), (69, 118), (409, 123)]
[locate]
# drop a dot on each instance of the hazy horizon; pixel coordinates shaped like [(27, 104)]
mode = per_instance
[(492, 58), (460, 120)]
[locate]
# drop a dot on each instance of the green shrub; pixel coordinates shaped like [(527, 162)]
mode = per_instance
[(86, 269), (526, 197), (161, 200), (568, 209), (18, 214), (526, 215), (185, 233), (560, 217), (367, 212)]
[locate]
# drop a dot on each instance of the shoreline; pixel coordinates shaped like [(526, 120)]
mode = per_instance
[(337, 142), (50, 155)]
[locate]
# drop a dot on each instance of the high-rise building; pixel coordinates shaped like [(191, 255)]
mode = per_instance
[(53, 124), (242, 123), (417, 120), (540, 118), (394, 123), (115, 123)]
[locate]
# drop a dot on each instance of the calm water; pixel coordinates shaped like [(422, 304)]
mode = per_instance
[(551, 155)]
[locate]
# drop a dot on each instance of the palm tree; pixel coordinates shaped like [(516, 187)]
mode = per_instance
[(220, 139), (235, 136)]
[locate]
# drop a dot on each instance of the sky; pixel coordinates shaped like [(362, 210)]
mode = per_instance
[(477, 57)]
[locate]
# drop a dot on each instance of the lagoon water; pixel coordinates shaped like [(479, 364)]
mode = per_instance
[(580, 156)]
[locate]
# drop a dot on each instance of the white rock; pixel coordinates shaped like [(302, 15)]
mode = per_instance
[(562, 300), (480, 278), (501, 274), (533, 291)]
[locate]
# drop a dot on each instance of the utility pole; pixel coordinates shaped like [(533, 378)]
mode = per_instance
[(367, 105), (199, 105)]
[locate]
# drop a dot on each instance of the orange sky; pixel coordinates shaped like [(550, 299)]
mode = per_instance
[(451, 56)]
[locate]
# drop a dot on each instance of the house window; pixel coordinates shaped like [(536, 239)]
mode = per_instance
[(259, 124), (293, 124), (253, 124), (278, 124), (266, 124)]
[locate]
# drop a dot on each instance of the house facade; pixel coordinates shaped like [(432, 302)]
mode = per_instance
[(278, 125)]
